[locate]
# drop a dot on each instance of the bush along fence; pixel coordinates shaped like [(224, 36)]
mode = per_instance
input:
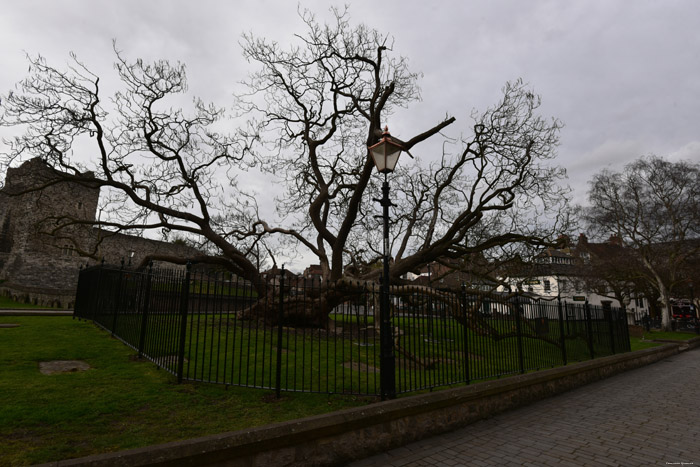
[(303, 335)]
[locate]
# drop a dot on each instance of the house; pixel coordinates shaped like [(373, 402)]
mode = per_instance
[(581, 273), (314, 273)]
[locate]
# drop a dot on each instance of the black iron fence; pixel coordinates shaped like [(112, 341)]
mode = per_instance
[(299, 335)]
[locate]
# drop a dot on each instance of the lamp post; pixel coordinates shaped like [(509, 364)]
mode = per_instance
[(429, 338), (385, 155)]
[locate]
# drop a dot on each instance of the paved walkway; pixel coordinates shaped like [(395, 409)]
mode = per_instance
[(647, 416)]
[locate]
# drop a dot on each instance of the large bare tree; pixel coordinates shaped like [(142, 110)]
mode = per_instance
[(653, 205), (320, 104), (312, 111), (157, 166)]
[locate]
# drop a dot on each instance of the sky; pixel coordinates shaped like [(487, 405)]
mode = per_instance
[(623, 76)]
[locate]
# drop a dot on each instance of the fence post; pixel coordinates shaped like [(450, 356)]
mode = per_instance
[(589, 329), (79, 294), (280, 320), (117, 299), (625, 337), (561, 331), (185, 294), (608, 313), (146, 304), (465, 327), (518, 327), (96, 302)]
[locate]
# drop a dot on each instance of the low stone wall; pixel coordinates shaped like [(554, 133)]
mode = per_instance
[(48, 298), (686, 345), (339, 437)]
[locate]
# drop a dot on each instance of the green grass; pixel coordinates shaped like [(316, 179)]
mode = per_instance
[(645, 342), (120, 402), (8, 303), (674, 336), (220, 348), (638, 343), (125, 403)]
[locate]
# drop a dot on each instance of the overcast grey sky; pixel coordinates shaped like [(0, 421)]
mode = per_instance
[(623, 76)]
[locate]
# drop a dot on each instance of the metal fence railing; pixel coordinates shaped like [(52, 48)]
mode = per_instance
[(218, 329)]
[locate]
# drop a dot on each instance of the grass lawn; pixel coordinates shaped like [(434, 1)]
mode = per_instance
[(430, 353), (120, 402), (645, 342), (8, 303), (674, 336)]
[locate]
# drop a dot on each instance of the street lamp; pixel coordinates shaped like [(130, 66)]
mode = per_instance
[(385, 155)]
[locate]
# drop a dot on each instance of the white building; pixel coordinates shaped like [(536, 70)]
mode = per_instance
[(560, 273)]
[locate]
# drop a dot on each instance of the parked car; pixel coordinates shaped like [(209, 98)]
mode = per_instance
[(682, 310)]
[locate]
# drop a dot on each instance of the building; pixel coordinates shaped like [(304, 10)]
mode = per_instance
[(314, 273), (574, 274), (39, 263)]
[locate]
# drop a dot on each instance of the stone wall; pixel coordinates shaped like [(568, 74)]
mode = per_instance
[(114, 247), (38, 263), (339, 437)]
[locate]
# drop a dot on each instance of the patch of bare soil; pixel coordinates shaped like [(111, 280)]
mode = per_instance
[(471, 356), (62, 366), (166, 359), (359, 366), (272, 398)]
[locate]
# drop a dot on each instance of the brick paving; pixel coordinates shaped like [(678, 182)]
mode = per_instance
[(647, 416)]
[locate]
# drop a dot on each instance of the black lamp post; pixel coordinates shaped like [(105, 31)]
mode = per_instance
[(430, 308), (385, 155)]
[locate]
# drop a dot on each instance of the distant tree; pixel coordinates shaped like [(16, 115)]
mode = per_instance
[(609, 272), (313, 109), (653, 205)]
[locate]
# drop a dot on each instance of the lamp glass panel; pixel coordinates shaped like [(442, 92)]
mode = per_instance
[(385, 155), (378, 158), (392, 157)]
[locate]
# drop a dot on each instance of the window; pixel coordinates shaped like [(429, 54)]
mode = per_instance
[(5, 239), (547, 286)]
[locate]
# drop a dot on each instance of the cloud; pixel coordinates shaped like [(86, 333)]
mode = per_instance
[(621, 76), (689, 152), (613, 154)]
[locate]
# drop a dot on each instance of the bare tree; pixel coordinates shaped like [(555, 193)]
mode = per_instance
[(313, 111), (654, 207), (319, 105), (157, 166), (610, 271)]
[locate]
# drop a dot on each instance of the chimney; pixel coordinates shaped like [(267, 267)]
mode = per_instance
[(615, 240), (582, 239), (563, 241)]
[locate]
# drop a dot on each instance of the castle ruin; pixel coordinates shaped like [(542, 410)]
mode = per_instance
[(40, 263)]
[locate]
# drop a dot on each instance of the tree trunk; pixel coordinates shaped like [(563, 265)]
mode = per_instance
[(665, 308)]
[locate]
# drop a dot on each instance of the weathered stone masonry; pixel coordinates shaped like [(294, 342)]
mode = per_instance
[(42, 268)]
